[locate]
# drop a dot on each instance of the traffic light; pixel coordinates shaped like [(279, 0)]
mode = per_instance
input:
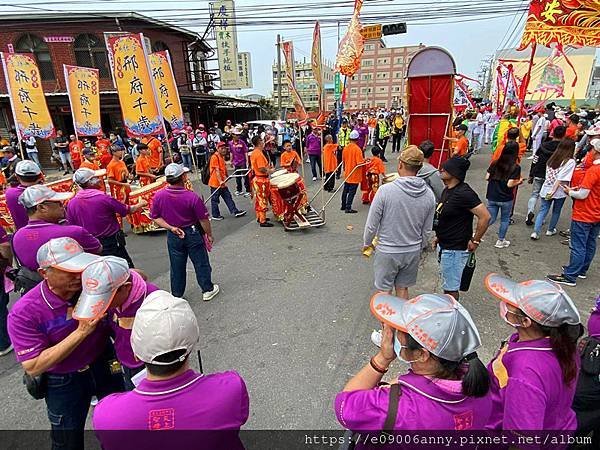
[(395, 28)]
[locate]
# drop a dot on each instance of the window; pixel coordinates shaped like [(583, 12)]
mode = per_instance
[(354, 77), (367, 76), (353, 90), (369, 47), (365, 90), (396, 89), (382, 75), (30, 43), (160, 46), (397, 74), (382, 61), (382, 89), (363, 105), (90, 51), (367, 63), (399, 60)]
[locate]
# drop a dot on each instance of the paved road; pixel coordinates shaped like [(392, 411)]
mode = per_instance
[(293, 315)]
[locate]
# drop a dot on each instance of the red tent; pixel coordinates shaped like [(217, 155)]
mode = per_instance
[(430, 99)]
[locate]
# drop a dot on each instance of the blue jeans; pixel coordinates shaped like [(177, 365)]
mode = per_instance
[(557, 204), (4, 339), (315, 160), (192, 246), (34, 157), (226, 195), (187, 160), (535, 194), (583, 248), (68, 399), (452, 264), (348, 194), (504, 208)]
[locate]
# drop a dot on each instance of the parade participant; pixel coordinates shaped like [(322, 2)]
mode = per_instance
[(539, 130), (27, 174), (156, 154), (382, 134), (143, 168), (353, 174), (103, 147), (572, 128), (401, 216), (430, 174), (329, 163), (11, 164), (172, 396), (397, 132), (260, 181), (363, 133), (313, 149), (290, 160), (502, 176), (118, 175), (453, 223), (218, 187), (108, 285), (512, 135), (446, 388), (6, 258), (537, 366), (585, 223), (374, 169), (61, 150), (371, 124), (183, 214), (559, 171), (461, 143), (96, 212), (89, 160), (73, 358), (343, 139), (537, 171), (31, 148), (239, 158), (75, 149)]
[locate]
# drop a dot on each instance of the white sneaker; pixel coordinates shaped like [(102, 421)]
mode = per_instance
[(551, 232), (247, 194), (530, 157), (207, 296), (535, 236), (238, 193), (314, 178), (7, 350), (502, 243), (505, 243), (376, 338)]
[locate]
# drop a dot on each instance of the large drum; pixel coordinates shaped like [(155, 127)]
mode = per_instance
[(291, 190), (276, 201), (140, 220)]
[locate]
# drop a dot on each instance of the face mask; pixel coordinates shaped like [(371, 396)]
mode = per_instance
[(503, 313), (398, 349)]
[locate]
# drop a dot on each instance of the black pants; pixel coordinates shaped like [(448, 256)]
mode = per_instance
[(396, 139), (329, 181), (382, 144), (238, 180), (338, 155), (348, 194), (115, 246), (315, 160)]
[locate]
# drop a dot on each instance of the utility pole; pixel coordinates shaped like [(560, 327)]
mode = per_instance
[(280, 109)]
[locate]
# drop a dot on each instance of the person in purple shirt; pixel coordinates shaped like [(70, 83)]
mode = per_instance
[(313, 149), (534, 374), (5, 260), (46, 210), (108, 285), (363, 131), (447, 385), (96, 212), (239, 158), (71, 357), (183, 214), (27, 173), (172, 397)]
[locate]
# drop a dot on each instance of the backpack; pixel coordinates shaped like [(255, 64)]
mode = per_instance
[(205, 172)]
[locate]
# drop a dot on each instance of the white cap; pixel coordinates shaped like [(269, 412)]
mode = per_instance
[(595, 143), (83, 175), (354, 134), (27, 168), (64, 254), (174, 170), (38, 193), (163, 324)]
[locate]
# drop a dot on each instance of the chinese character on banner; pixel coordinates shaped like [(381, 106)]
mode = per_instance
[(166, 88), (83, 87), (27, 99), (133, 79), (288, 54), (226, 37)]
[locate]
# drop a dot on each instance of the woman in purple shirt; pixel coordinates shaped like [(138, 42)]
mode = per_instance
[(313, 150), (534, 374), (447, 385)]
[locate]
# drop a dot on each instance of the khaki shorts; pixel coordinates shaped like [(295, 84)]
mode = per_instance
[(396, 270)]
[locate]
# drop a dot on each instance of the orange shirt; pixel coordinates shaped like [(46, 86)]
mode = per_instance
[(75, 148), (117, 170), (372, 123), (571, 132), (142, 165), (500, 148), (352, 156), (461, 147), (588, 210), (102, 145), (217, 169), (155, 153), (329, 158), (376, 166), (258, 160), (288, 157), (89, 165)]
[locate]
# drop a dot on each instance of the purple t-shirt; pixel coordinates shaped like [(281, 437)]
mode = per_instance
[(313, 145), (527, 387), (96, 212), (425, 404), (593, 324), (28, 240), (238, 151), (363, 135), (190, 401), (178, 207), (17, 211), (121, 322), (40, 320)]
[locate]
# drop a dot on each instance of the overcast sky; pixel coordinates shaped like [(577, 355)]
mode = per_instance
[(468, 42)]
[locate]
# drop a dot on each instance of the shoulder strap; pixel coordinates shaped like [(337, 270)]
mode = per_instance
[(390, 420)]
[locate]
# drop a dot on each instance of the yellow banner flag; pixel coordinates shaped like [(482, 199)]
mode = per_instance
[(84, 97), (317, 65), (288, 54), (130, 68), (27, 99), (166, 88)]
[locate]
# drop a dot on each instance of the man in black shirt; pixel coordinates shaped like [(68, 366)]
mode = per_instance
[(453, 223), (537, 172)]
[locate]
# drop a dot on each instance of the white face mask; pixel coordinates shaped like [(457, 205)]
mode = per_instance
[(503, 313), (398, 349)]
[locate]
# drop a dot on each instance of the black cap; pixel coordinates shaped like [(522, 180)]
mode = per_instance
[(457, 167), (462, 127)]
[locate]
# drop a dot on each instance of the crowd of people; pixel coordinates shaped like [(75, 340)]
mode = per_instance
[(89, 324)]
